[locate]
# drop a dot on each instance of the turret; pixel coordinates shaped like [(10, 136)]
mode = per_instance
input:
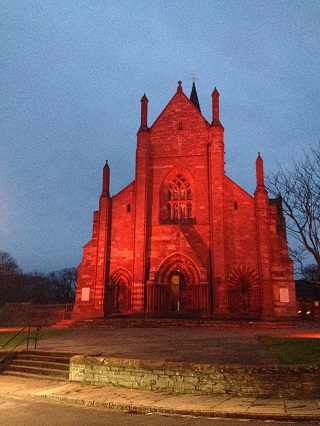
[(106, 180), (144, 113), (260, 175), (264, 247), (215, 108)]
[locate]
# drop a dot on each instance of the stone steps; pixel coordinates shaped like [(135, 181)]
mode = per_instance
[(65, 323), (39, 364), (176, 322)]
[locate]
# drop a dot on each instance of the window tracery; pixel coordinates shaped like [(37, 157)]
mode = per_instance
[(179, 199)]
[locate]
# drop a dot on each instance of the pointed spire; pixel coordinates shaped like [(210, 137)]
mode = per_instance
[(106, 179), (215, 107), (144, 113), (194, 97), (260, 174)]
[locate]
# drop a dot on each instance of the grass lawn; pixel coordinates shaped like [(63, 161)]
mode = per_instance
[(44, 333), (291, 350)]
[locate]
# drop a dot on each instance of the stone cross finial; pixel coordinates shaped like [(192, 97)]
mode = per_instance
[(194, 76)]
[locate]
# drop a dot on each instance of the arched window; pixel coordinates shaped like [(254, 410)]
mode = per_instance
[(179, 200)]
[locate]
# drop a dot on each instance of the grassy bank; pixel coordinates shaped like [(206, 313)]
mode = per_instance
[(293, 350), (44, 333)]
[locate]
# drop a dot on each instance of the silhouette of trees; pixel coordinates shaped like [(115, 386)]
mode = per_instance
[(63, 284), (34, 287), (299, 189), (10, 278), (8, 266)]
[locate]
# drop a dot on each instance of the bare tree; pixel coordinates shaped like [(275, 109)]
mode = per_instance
[(311, 272), (8, 266), (64, 284), (299, 190), (10, 278)]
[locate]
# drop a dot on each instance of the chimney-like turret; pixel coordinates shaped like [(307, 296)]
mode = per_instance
[(215, 107), (144, 113), (260, 173), (106, 180)]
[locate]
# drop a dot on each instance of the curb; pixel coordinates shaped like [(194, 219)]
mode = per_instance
[(196, 413)]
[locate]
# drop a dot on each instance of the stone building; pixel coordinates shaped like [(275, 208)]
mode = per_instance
[(183, 239)]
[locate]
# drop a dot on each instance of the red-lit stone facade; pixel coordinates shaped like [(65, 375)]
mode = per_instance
[(183, 239)]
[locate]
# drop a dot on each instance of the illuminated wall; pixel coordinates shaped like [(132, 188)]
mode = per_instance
[(183, 239)]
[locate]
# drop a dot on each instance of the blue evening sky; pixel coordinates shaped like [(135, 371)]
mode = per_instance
[(72, 76)]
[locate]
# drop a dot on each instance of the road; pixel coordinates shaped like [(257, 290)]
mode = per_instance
[(26, 411)]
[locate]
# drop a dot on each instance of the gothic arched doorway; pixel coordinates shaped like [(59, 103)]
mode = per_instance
[(118, 292), (243, 293), (177, 288)]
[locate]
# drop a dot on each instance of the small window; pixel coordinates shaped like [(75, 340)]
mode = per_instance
[(128, 207)]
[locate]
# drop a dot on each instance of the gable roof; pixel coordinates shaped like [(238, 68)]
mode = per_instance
[(180, 100)]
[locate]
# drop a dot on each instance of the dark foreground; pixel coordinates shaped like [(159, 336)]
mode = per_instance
[(216, 345), (24, 411)]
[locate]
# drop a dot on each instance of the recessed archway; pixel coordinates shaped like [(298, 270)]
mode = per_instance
[(177, 287), (243, 292), (178, 262), (118, 292)]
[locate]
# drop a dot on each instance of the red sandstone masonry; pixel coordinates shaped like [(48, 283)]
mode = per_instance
[(231, 256)]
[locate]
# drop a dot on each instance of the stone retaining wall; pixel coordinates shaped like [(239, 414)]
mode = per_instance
[(23, 314), (300, 381)]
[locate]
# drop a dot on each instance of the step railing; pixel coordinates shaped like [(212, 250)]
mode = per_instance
[(27, 339)]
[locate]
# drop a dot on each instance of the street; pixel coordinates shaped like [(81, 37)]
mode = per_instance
[(26, 411)]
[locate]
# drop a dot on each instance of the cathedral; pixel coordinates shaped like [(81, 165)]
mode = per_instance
[(183, 240)]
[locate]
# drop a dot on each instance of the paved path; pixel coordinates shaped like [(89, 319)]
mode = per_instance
[(204, 345), (215, 345), (147, 401)]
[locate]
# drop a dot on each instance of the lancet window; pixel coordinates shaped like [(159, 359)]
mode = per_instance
[(179, 199)]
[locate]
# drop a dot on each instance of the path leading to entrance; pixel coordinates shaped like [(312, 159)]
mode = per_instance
[(204, 345), (212, 345)]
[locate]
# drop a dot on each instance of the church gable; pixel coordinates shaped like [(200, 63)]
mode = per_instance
[(123, 206), (179, 107), (236, 197), (125, 195), (183, 239), (179, 127), (240, 221)]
